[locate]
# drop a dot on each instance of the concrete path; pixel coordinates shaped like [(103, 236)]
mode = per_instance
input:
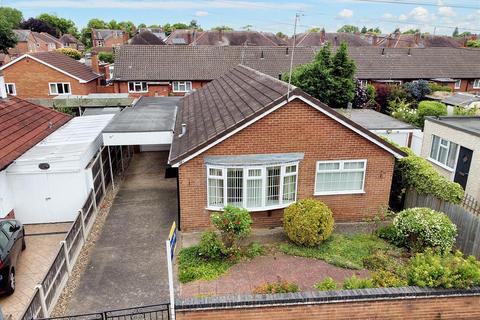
[(127, 267)]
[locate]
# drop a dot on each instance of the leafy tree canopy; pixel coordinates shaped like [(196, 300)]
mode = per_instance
[(12, 16), (411, 31), (330, 77), (7, 37), (280, 34), (375, 30), (62, 25), (455, 32), (316, 29), (38, 25), (473, 43), (72, 53), (348, 28), (106, 57), (223, 28), (465, 34)]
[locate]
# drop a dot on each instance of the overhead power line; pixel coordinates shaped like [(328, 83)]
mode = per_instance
[(419, 3)]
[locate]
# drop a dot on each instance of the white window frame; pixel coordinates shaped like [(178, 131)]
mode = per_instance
[(458, 84), (11, 92), (63, 85), (476, 84), (263, 168), (447, 149), (138, 83), (363, 83), (339, 170), (177, 84)]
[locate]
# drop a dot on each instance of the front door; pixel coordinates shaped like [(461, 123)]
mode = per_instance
[(463, 166)]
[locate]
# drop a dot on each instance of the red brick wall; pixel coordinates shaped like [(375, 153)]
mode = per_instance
[(31, 80), (428, 308), (155, 90), (295, 127)]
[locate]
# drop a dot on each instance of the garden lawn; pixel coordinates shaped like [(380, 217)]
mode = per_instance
[(346, 251), (192, 267)]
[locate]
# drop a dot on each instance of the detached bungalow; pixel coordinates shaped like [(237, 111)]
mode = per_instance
[(244, 139), (47, 75)]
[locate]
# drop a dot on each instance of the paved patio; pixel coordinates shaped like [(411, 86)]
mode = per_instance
[(33, 264), (127, 267)]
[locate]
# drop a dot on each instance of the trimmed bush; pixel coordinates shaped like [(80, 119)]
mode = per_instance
[(417, 173), (235, 224), (422, 228), (387, 279), (281, 286), (308, 222), (326, 284), (447, 271), (357, 283), (72, 53), (430, 108), (210, 246), (438, 87)]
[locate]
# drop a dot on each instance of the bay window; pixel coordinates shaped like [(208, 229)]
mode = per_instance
[(340, 177), (443, 152), (254, 187)]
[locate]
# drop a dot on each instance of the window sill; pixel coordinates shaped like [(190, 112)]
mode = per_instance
[(282, 206), (338, 193), (441, 165)]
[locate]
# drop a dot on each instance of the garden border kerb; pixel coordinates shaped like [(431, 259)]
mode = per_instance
[(318, 297)]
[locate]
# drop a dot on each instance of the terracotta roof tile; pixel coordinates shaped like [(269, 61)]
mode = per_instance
[(23, 125)]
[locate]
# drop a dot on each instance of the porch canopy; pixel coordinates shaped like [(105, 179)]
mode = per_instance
[(149, 122)]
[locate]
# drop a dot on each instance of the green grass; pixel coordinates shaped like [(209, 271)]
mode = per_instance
[(192, 267), (346, 251)]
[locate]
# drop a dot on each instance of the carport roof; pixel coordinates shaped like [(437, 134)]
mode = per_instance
[(149, 114)]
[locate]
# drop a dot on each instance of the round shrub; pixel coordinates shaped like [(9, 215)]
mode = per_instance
[(422, 228), (72, 53), (308, 222), (210, 246), (234, 224)]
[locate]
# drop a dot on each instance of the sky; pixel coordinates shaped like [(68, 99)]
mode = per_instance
[(439, 16)]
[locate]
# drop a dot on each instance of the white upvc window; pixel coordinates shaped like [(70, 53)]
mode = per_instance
[(182, 86), (458, 83), (255, 188), (363, 83), (476, 84), (443, 152), (340, 177), (11, 89), (59, 88), (137, 86)]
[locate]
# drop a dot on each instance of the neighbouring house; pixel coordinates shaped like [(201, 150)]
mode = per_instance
[(244, 139), (417, 40), (30, 41), (177, 70), (318, 39), (224, 38), (452, 145), (108, 38), (158, 32), (47, 75), (69, 41), (146, 37), (22, 125), (401, 133)]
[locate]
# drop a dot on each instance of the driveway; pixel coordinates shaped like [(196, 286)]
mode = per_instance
[(43, 242), (127, 267)]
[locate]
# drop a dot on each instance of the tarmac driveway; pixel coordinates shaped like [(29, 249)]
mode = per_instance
[(127, 267)]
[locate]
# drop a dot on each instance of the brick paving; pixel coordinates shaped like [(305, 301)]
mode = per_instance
[(32, 265), (244, 277)]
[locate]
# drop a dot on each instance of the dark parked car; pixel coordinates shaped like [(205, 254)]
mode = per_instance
[(12, 242)]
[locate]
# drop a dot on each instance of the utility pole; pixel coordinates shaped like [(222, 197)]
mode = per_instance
[(297, 17)]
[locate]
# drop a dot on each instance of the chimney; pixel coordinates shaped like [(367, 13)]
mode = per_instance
[(95, 66), (417, 38), (322, 35), (3, 90)]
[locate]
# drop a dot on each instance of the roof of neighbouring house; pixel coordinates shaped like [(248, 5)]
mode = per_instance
[(47, 38), (61, 63), (23, 125), (137, 62), (373, 120), (236, 99), (104, 34), (224, 38), (468, 124), (68, 38), (315, 39), (461, 99), (22, 35), (418, 41), (147, 38)]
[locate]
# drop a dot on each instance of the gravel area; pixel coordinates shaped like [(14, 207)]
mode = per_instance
[(83, 258), (244, 277)]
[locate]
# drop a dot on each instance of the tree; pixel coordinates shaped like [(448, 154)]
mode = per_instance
[(316, 29), (411, 31), (364, 30), (361, 97), (248, 27), (38, 25), (72, 53), (194, 25), (418, 90), (465, 34), (129, 27), (86, 33), (142, 25), (455, 32), (329, 77), (106, 57), (473, 43), (13, 17), (223, 28), (179, 25), (348, 28), (280, 34), (62, 25), (154, 26), (7, 37)]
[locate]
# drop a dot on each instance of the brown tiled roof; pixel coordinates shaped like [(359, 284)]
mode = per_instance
[(234, 99), (66, 64), (47, 38), (146, 37), (24, 124), (137, 62), (224, 38), (419, 41), (68, 38), (416, 63), (316, 39)]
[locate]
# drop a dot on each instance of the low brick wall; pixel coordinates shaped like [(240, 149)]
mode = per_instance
[(380, 303)]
